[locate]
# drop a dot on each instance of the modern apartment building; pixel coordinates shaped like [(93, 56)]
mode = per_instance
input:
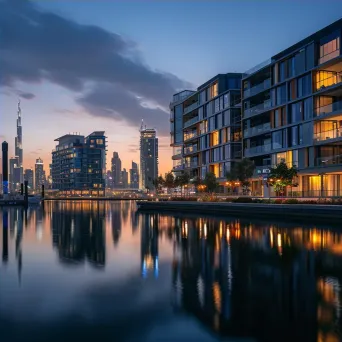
[(148, 157), (79, 164), (206, 127), (292, 112)]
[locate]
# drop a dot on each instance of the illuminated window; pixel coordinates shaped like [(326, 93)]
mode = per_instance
[(215, 138), (214, 90), (329, 50), (327, 78), (99, 141)]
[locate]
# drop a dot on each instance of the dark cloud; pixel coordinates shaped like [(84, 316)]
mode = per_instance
[(25, 95), (37, 46)]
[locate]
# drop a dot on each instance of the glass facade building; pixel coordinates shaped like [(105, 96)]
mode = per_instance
[(79, 164), (292, 112), (205, 127)]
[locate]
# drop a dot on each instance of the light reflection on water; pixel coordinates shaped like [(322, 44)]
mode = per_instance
[(99, 270)]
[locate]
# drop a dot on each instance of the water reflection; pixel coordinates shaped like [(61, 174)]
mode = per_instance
[(235, 277)]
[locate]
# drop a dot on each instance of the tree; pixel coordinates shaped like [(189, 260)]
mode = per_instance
[(282, 176), (182, 180), (210, 182), (242, 171), (169, 180), (158, 183), (197, 181)]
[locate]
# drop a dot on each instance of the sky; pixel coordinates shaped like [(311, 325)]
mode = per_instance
[(81, 66)]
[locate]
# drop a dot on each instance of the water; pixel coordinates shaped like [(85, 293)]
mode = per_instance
[(82, 271)]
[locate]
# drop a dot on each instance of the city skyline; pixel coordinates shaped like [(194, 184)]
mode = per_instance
[(50, 100)]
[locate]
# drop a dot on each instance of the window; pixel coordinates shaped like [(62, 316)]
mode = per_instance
[(99, 141), (212, 123), (221, 103), (308, 111), (226, 101), (209, 109), (300, 62), (291, 67), (277, 139), (217, 105), (202, 97), (309, 56), (330, 47), (281, 94), (235, 116), (304, 86), (200, 113), (215, 138), (326, 79), (226, 118), (277, 118), (219, 121), (223, 136), (294, 136), (227, 151), (203, 127), (282, 72), (296, 112), (213, 90)]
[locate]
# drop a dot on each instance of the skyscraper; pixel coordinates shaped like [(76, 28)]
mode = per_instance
[(134, 176), (148, 157), (5, 167), (18, 146), (39, 174), (116, 171), (124, 179), (28, 176)]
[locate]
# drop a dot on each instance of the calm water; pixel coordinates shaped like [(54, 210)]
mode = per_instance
[(83, 271)]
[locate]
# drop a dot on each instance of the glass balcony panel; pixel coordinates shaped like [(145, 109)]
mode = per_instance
[(257, 88), (329, 108)]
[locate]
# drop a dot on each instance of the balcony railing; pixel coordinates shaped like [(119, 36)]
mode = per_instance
[(327, 109), (257, 109), (178, 167), (329, 81), (257, 129), (189, 136), (329, 56), (258, 67), (257, 88), (191, 107), (190, 149), (257, 149), (191, 122), (191, 164), (327, 135), (328, 161)]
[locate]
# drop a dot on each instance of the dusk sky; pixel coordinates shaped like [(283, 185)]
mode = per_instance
[(105, 65)]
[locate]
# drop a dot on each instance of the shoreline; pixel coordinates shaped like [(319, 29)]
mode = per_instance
[(280, 211)]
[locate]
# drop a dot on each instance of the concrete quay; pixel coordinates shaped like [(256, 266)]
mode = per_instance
[(327, 213)]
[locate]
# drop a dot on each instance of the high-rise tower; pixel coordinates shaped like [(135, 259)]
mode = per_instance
[(18, 144), (148, 157)]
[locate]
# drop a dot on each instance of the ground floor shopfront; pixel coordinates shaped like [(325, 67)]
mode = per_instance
[(309, 185)]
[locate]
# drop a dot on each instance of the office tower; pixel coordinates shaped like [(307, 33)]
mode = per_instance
[(19, 148), (79, 164), (124, 179), (116, 171), (14, 175), (148, 157), (5, 167), (292, 112), (206, 127), (28, 176), (39, 174), (134, 176), (1, 185)]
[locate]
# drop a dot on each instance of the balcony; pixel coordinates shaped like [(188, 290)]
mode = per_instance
[(178, 167), (257, 88), (330, 81), (189, 136), (190, 149), (328, 109), (329, 161), (257, 150), (257, 129), (327, 135), (190, 108), (191, 165), (258, 67), (191, 122), (329, 56), (258, 109)]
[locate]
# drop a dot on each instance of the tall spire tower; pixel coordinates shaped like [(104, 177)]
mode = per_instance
[(18, 143)]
